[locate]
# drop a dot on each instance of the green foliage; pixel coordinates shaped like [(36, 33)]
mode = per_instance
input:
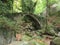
[(53, 1), (41, 4), (6, 23), (56, 41), (6, 7), (29, 6), (17, 6), (19, 24)]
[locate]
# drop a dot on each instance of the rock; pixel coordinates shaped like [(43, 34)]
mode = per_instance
[(1, 40), (19, 43), (59, 34), (56, 41)]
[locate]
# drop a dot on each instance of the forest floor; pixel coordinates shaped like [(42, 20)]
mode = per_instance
[(34, 41)]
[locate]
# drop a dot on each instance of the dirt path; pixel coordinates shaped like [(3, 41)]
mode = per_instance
[(47, 40)]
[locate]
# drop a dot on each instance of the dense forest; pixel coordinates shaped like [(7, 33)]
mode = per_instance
[(31, 22)]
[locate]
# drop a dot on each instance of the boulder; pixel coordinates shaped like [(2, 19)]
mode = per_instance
[(56, 41)]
